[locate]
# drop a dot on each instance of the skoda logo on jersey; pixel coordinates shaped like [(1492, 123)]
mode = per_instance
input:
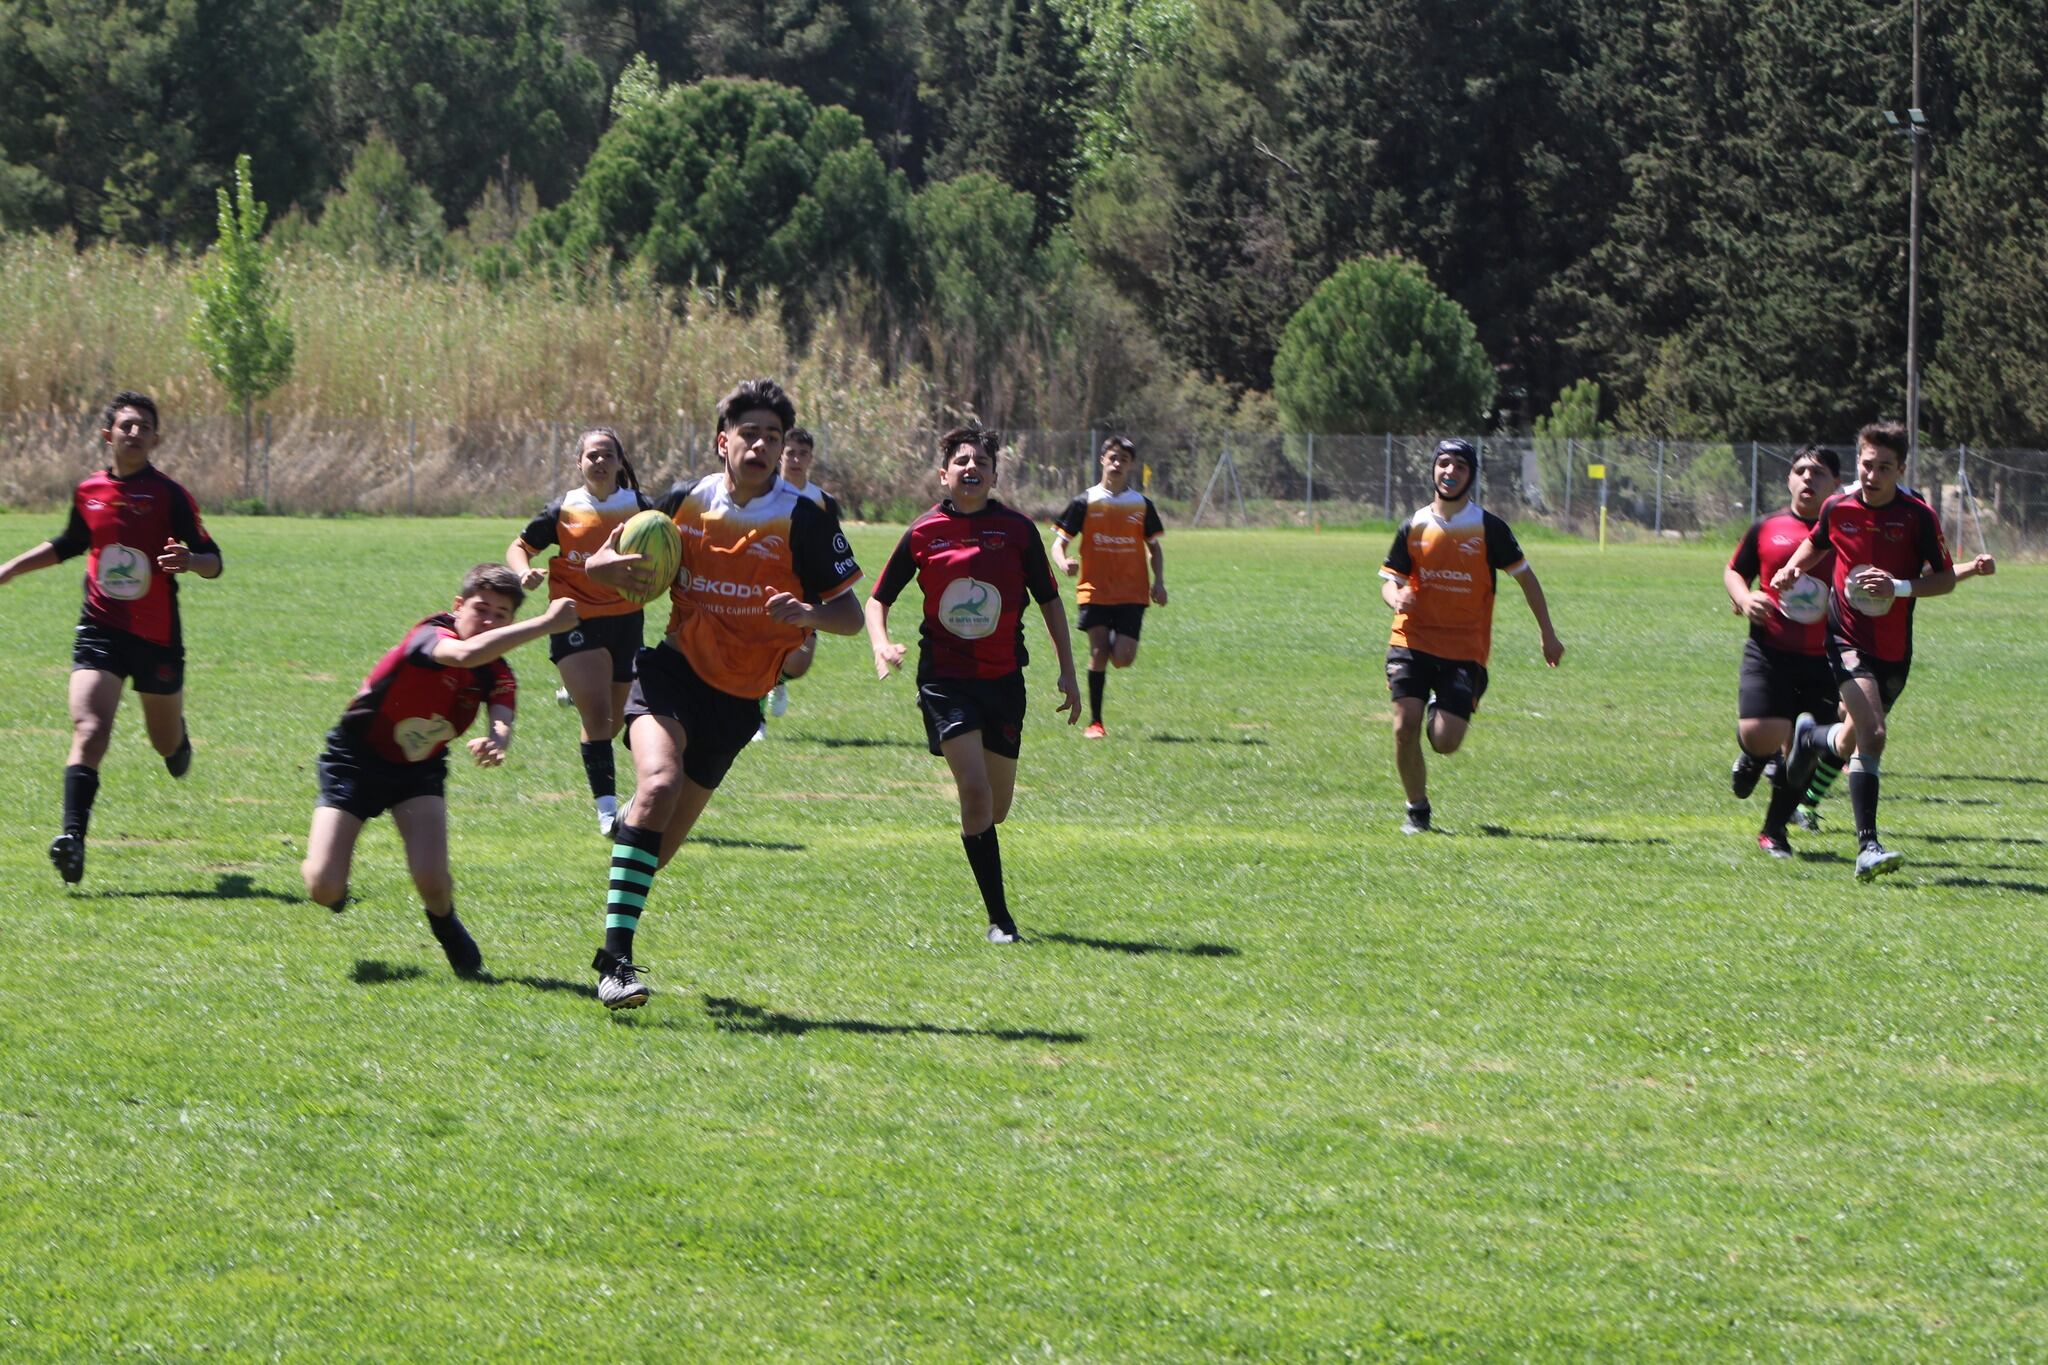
[(970, 608), (721, 587), (124, 572)]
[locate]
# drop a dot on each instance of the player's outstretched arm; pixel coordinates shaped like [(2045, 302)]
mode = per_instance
[(1983, 566), (840, 616), (1539, 607), (521, 563), (1054, 610), (489, 750), (491, 645), (28, 561)]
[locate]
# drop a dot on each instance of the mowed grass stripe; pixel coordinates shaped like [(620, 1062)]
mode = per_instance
[(1585, 1075)]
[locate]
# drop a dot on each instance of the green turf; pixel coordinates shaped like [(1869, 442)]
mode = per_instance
[(1581, 1075)]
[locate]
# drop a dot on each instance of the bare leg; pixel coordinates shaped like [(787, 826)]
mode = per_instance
[(658, 744), (1123, 651), (1762, 736), (163, 714), (1446, 731), (971, 777), (1408, 758), (330, 849), (588, 676), (95, 699), (423, 826)]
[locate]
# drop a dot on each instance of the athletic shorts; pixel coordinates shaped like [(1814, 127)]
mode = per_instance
[(1125, 619), (716, 725), (1777, 683), (1849, 662), (356, 780), (1457, 684), (959, 706), (619, 634), (155, 668)]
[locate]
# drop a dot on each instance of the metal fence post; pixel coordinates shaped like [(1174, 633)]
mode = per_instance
[(1309, 496), (1962, 489), (1571, 467), (1660, 486), (1390, 476), (412, 457), (266, 461), (1752, 480)]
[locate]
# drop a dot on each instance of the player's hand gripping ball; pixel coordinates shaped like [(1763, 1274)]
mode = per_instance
[(653, 535), (1861, 597)]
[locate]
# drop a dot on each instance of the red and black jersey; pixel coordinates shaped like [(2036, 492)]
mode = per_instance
[(974, 572), (1901, 538), (411, 708), (1766, 545), (125, 524)]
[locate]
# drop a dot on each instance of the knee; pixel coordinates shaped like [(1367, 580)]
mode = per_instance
[(1124, 658), (436, 887), (91, 731), (1445, 739), (1407, 724), (1871, 741), (796, 665), (323, 887), (977, 808)]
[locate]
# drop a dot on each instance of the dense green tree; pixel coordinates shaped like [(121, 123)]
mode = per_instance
[(1004, 91), (738, 183), (1378, 347), (978, 276), (382, 213), (469, 90), (118, 117)]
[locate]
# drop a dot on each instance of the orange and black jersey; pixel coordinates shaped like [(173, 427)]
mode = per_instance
[(1766, 545), (124, 523), (577, 525), (412, 707), (1113, 531), (1451, 565), (974, 572), (822, 498), (734, 559)]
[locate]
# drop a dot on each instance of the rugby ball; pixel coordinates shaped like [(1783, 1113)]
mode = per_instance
[(652, 534), (1806, 601), (1863, 601)]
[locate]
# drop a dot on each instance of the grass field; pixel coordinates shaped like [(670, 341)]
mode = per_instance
[(1583, 1074)]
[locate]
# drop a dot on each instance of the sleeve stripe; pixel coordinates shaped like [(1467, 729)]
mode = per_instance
[(1520, 566), (842, 589)]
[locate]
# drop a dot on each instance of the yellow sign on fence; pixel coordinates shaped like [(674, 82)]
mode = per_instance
[(1596, 471)]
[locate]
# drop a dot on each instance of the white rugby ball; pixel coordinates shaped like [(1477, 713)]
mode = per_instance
[(1867, 603), (1806, 601)]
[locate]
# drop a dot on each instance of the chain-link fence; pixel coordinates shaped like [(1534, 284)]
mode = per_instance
[(1996, 499)]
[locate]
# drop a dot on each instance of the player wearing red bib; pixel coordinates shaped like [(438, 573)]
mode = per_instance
[(596, 658), (974, 560), (1784, 662), (389, 751), (1121, 567), (761, 568), (139, 531), (1439, 579), (1887, 549)]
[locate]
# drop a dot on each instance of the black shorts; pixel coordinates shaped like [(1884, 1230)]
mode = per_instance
[(1126, 619), (356, 780), (716, 725), (1457, 683), (1849, 662), (1778, 684), (958, 706), (157, 669), (619, 634)]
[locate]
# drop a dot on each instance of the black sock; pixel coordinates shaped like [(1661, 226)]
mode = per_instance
[(985, 856), (636, 852), (1863, 799), (1783, 799), (597, 767), (443, 925), (81, 787), (1095, 680)]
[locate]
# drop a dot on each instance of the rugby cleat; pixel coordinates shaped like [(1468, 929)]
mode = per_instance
[(778, 701), (463, 954), (1877, 861), (1417, 821), (998, 934), (561, 696), (607, 815), (1094, 731), (1743, 778), (619, 986), (178, 762), (1803, 753), (67, 855), (1775, 844), (760, 734), (1807, 818)]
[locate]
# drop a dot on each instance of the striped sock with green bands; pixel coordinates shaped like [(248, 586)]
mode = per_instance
[(636, 853)]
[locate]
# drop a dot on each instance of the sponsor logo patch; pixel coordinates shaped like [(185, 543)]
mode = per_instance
[(970, 608)]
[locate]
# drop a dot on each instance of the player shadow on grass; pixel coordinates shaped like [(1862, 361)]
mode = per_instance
[(1976, 839), (760, 845), (863, 742), (1993, 884), (2012, 778), (370, 971), (229, 886), (1208, 739), (1139, 947), (1503, 832), (737, 1016)]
